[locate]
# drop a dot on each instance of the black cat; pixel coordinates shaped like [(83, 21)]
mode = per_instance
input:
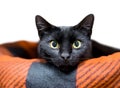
[(66, 46)]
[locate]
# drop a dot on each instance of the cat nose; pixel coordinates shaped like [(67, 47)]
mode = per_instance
[(65, 56)]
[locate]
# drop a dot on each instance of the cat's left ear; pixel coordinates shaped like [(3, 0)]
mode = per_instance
[(86, 25), (41, 24)]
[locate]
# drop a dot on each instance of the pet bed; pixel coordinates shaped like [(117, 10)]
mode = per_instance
[(19, 72)]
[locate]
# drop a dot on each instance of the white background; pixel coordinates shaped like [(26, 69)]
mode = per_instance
[(17, 18)]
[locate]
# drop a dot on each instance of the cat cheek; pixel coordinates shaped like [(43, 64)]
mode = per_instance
[(56, 62)]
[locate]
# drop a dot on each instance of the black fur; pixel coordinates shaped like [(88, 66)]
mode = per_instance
[(65, 36), (18, 51), (102, 50)]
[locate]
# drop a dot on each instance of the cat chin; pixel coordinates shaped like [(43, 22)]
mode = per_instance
[(67, 69)]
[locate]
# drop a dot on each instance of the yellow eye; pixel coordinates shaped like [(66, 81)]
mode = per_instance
[(54, 44), (76, 44)]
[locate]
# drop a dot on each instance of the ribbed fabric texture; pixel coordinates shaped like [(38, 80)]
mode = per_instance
[(13, 71), (103, 72)]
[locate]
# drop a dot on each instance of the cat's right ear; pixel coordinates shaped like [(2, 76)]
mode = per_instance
[(86, 25), (41, 23)]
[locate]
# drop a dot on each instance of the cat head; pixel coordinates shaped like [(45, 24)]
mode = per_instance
[(65, 46)]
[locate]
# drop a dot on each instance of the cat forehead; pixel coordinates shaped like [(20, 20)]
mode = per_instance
[(65, 28), (68, 32)]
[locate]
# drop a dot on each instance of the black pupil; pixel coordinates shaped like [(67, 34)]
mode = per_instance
[(76, 43), (54, 44)]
